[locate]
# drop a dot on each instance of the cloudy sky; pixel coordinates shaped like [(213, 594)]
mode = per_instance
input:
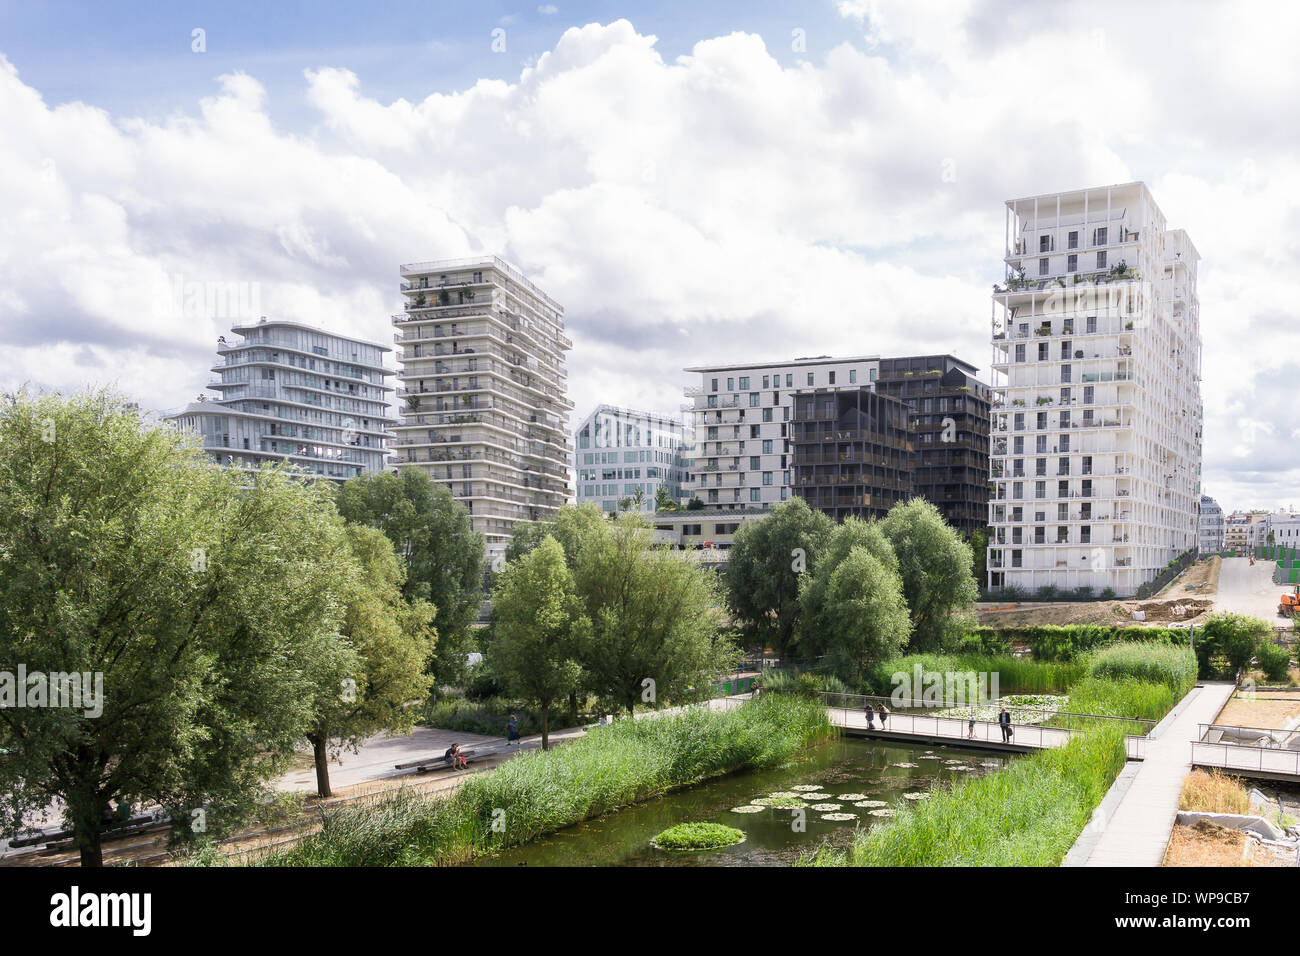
[(751, 181)]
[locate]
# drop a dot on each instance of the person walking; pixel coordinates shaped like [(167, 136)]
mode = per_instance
[(883, 714), (871, 716), (970, 725), (1004, 721), (512, 730)]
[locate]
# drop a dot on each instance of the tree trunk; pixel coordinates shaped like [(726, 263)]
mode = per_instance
[(546, 734), (573, 709), (321, 754), (92, 852)]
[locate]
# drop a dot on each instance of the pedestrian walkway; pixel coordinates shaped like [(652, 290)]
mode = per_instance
[(927, 728), (1137, 833)]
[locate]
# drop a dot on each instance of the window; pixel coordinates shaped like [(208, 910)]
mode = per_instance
[(1042, 266), (766, 381), (1044, 243), (744, 383), (789, 380), (1042, 351), (754, 464), (1020, 353), (714, 386), (1099, 236), (832, 378), (755, 494), (767, 477), (853, 376), (1101, 260), (810, 378), (1072, 241)]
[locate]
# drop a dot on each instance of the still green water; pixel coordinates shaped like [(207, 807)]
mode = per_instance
[(877, 771)]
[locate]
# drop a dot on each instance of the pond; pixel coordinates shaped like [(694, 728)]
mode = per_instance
[(846, 772)]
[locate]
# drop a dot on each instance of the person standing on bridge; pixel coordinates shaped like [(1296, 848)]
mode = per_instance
[(871, 716), (883, 714), (970, 725), (512, 730), (1004, 721)]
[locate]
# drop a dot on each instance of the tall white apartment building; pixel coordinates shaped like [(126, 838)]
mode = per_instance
[(1096, 446), (1210, 526), (620, 453), (294, 393), (484, 400), (742, 425)]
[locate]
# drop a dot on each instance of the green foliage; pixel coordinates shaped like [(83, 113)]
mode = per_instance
[(572, 526), (204, 597), (1028, 814), (653, 616), (613, 766), (444, 556), (381, 663), (1016, 675), (764, 565), (859, 611), (1226, 643), (697, 836), (1273, 660), (1051, 642), (935, 567), (539, 630), (1118, 697), (804, 683), (486, 716), (1174, 667)]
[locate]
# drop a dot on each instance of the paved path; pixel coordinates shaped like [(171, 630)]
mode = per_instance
[(1137, 833), (1250, 590)]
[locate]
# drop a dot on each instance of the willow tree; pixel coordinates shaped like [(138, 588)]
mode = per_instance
[(200, 599)]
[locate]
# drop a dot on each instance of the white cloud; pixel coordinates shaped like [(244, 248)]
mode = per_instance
[(714, 205)]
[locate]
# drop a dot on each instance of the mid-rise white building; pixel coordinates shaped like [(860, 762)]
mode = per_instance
[(742, 425), (1096, 394), (1211, 525), (484, 400), (622, 455), (294, 393)]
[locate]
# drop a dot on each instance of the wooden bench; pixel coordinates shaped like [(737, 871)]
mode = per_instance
[(439, 762)]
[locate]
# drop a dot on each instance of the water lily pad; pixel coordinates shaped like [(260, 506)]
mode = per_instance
[(916, 795), (786, 794), (782, 802), (852, 797), (697, 836), (824, 807), (904, 764), (839, 817), (882, 813), (809, 787), (748, 808), (871, 803)]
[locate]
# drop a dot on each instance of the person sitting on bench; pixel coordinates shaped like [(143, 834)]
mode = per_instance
[(454, 757)]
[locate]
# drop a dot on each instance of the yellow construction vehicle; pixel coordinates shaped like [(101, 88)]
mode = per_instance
[(1290, 603)]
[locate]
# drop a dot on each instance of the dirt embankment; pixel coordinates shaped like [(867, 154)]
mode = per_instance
[(1188, 599)]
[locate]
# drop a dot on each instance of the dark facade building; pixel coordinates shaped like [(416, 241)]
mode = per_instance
[(853, 452), (949, 416)]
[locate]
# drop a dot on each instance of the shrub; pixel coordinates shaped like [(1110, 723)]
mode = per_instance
[(1226, 643), (1273, 660)]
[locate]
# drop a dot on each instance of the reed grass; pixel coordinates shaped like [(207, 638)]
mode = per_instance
[(1028, 814), (537, 793), (1175, 667)]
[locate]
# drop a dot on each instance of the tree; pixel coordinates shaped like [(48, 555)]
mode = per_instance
[(539, 629), (979, 545), (664, 501), (1228, 638), (192, 600), (935, 566), (764, 565), (572, 526), (654, 619), (814, 598), (865, 617), (444, 556), (383, 661)]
